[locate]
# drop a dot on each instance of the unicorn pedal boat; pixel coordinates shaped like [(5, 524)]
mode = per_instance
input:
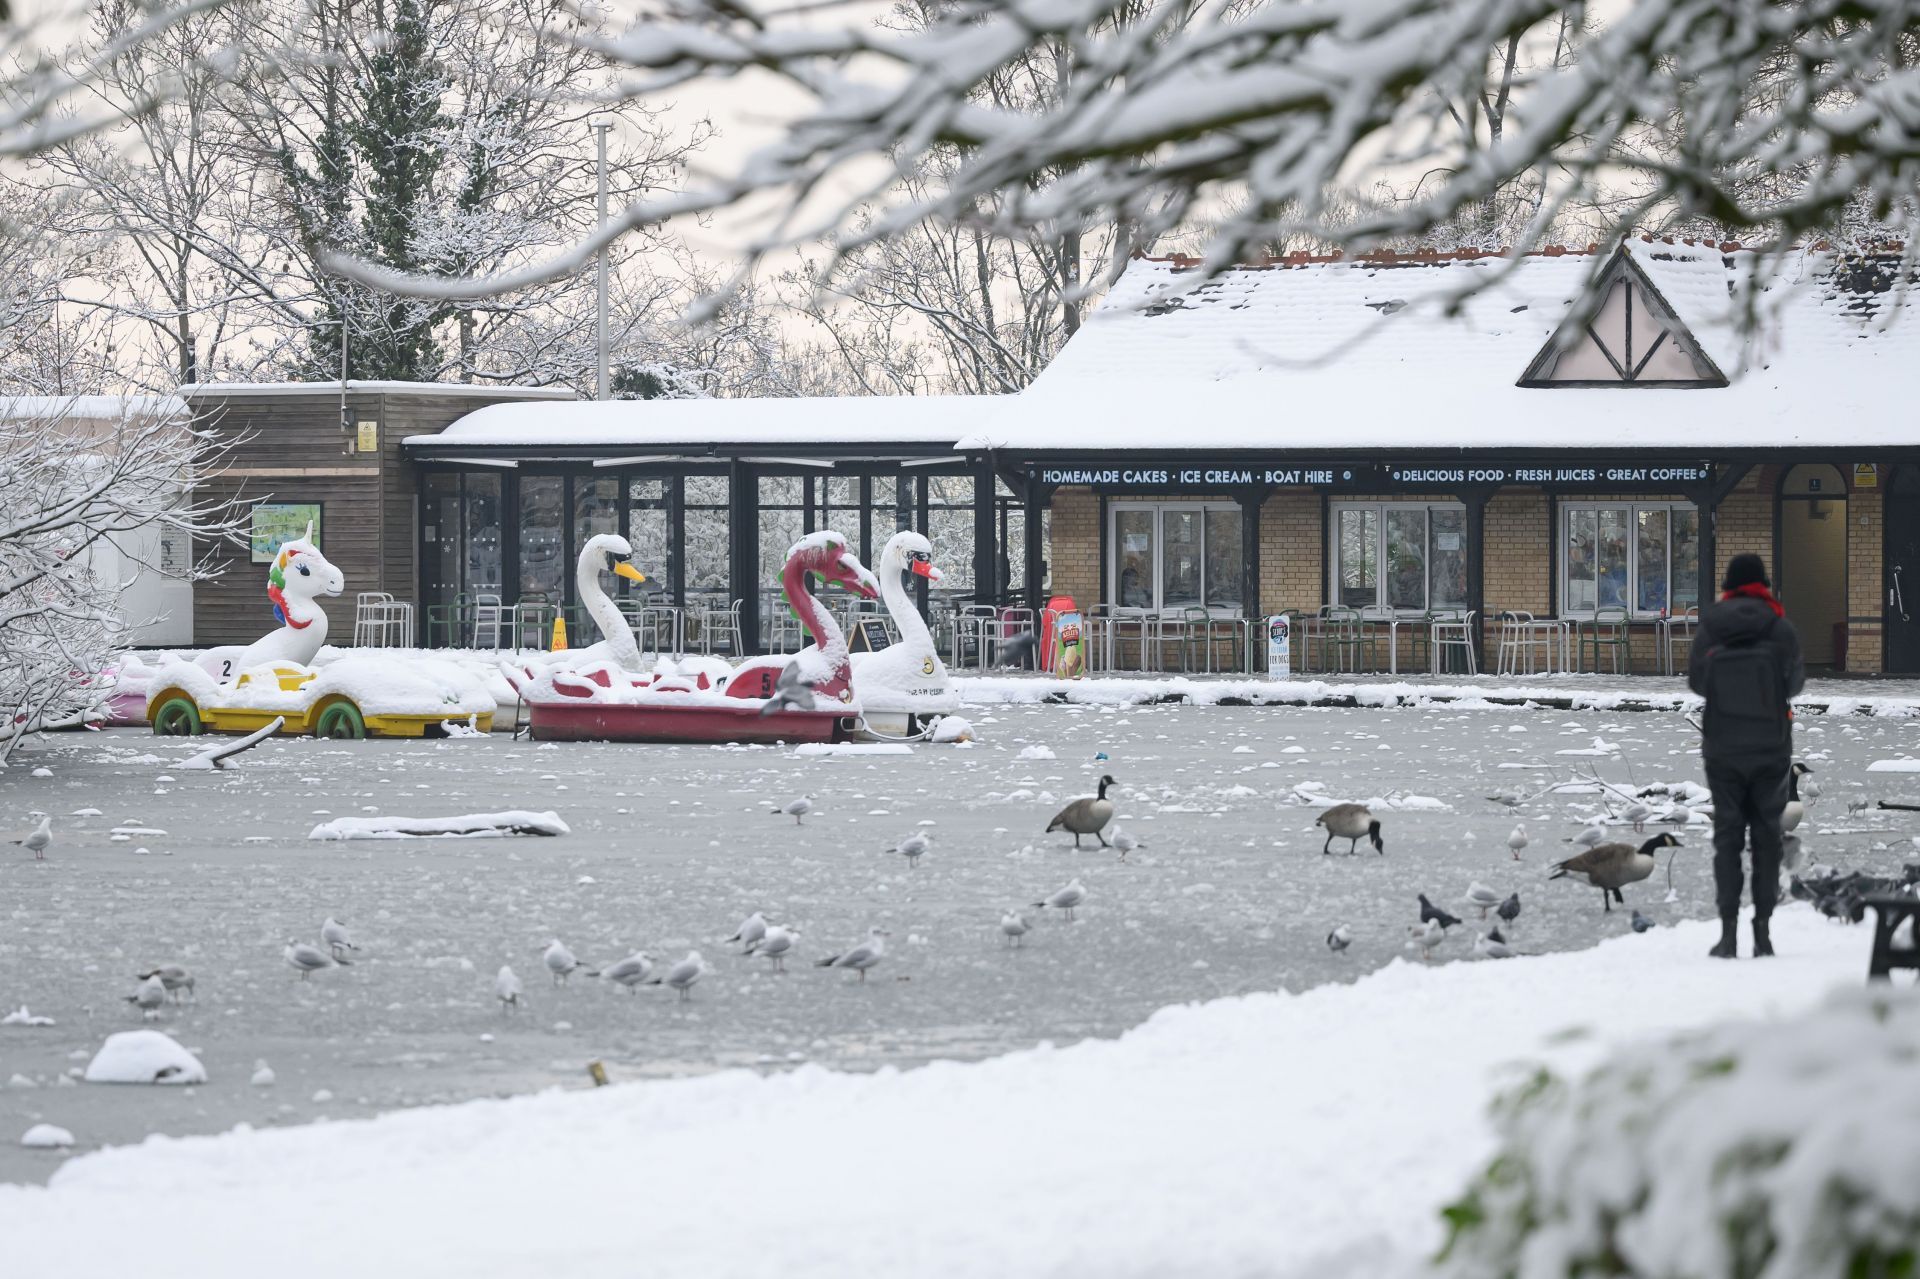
[(603, 700)]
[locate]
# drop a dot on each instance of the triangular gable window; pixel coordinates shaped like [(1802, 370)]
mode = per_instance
[(1632, 340)]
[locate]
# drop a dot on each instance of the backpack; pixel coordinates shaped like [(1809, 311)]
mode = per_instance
[(1746, 696)]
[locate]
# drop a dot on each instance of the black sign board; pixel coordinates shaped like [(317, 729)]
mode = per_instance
[(870, 635), (1411, 477), (1314, 474), (1663, 476)]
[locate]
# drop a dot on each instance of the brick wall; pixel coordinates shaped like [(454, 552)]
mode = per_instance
[(1290, 552), (1865, 573), (1075, 545)]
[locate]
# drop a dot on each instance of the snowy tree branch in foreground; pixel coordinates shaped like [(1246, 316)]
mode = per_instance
[(1759, 116), (79, 476)]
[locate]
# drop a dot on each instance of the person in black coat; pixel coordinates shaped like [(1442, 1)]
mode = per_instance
[(1746, 663)]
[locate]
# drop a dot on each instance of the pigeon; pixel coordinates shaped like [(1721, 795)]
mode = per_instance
[(1125, 842), (1594, 834), (1493, 946), (1478, 894), (1637, 814), (629, 972), (1339, 939), (41, 836), (776, 944), (913, 848), (506, 988), (561, 963), (1067, 900), (1509, 910), (306, 959), (1422, 938), (797, 810), (1517, 841), (1641, 923), (751, 930), (1430, 913), (174, 977), (862, 957), (684, 974), (790, 691), (334, 933), (1016, 649), (1013, 928), (152, 994)]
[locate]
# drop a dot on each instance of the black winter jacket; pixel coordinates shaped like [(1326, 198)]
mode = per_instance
[(1733, 621)]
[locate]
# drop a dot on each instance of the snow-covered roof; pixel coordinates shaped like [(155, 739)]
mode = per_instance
[(1360, 354), (937, 420), (357, 387), (91, 408)]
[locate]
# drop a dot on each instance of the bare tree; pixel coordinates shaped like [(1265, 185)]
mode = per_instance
[(80, 474)]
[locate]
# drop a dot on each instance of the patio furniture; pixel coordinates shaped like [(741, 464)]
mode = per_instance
[(530, 621), (1341, 639), (488, 617), (381, 621), (1889, 913), (1530, 645), (446, 621), (1450, 635), (1675, 630), (719, 628), (1607, 629)]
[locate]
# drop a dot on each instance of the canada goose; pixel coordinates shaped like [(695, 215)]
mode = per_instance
[(1796, 811), (1353, 823), (1086, 816), (1610, 867)]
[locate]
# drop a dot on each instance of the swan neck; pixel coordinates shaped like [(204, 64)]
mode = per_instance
[(607, 616), (900, 606)]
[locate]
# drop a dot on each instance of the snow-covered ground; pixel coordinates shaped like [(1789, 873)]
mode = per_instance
[(669, 847), (1272, 1134)]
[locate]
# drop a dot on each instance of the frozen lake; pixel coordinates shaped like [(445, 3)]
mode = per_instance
[(671, 846)]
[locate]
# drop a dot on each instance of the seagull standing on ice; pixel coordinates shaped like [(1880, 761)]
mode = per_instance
[(1478, 894), (1339, 939), (305, 959), (1493, 946), (561, 963), (1637, 813), (861, 957), (507, 989), (1517, 841), (751, 930), (1067, 900), (1013, 928), (1422, 938), (334, 933), (174, 977), (913, 848), (775, 945), (684, 974), (1594, 835), (797, 810), (1125, 842), (41, 836), (629, 972), (152, 994)]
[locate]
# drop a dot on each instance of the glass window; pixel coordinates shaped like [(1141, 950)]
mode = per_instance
[(950, 529), (543, 536), (485, 574), (1650, 559), (440, 538), (647, 531), (596, 510), (1223, 558), (782, 515), (1641, 556), (1406, 556), (1447, 574), (1180, 563), (1358, 548), (1134, 554), (707, 543)]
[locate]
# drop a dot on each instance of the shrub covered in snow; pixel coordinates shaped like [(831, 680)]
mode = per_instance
[(1782, 1150)]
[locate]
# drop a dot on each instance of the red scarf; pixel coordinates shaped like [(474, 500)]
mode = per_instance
[(1758, 591)]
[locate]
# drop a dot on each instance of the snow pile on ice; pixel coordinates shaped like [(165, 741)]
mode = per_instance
[(807, 749), (46, 1137), (1288, 1136), (144, 1057), (1035, 752), (1894, 766), (1785, 1150), (951, 728), (516, 821)]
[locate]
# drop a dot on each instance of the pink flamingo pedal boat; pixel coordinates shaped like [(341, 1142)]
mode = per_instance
[(603, 701)]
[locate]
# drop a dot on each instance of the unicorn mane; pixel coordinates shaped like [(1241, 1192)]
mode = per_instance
[(277, 577)]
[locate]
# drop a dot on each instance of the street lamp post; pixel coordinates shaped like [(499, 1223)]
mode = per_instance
[(602, 387)]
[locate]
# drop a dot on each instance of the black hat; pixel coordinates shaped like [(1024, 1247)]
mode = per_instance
[(1744, 570)]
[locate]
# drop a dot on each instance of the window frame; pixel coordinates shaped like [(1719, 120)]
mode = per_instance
[(1193, 506), (1631, 508), (1380, 507)]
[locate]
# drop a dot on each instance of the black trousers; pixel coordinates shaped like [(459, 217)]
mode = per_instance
[(1748, 795)]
